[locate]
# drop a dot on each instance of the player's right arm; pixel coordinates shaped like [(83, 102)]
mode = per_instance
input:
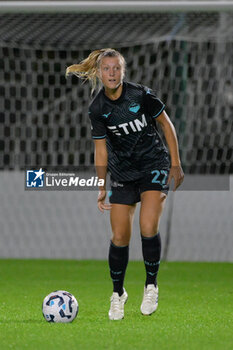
[(99, 131), (101, 163)]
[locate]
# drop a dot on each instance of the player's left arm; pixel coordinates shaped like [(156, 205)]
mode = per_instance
[(176, 171)]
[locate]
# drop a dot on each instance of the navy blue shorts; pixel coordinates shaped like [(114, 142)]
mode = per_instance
[(130, 192)]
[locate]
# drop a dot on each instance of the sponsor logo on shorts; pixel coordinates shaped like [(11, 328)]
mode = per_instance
[(117, 184)]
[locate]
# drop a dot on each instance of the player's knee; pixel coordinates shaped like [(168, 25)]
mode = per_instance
[(120, 238), (148, 229)]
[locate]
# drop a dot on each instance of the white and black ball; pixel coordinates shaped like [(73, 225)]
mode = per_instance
[(60, 306)]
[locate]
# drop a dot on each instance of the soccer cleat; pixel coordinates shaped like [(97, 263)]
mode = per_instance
[(150, 299), (116, 311)]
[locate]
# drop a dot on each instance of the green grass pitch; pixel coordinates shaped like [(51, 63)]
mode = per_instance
[(195, 306)]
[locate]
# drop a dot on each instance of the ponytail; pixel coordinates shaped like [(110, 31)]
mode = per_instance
[(88, 68)]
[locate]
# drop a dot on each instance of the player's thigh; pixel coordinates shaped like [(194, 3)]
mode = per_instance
[(121, 217), (152, 204)]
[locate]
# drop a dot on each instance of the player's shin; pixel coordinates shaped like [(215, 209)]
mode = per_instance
[(118, 261), (151, 249)]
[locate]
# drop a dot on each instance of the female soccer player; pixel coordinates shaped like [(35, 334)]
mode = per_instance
[(123, 121)]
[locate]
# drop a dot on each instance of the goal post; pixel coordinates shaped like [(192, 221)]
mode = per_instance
[(114, 6)]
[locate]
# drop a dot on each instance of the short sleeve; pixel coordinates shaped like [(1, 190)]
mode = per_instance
[(153, 105), (98, 127)]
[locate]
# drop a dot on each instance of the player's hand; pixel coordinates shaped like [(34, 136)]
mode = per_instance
[(176, 173), (101, 201)]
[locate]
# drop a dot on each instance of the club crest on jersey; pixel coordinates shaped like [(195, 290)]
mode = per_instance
[(134, 107)]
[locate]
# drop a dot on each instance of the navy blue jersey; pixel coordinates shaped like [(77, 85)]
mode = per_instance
[(128, 124)]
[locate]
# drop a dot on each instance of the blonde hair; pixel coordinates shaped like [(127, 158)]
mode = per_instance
[(88, 68)]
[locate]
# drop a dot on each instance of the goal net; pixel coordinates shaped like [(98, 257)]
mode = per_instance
[(187, 58)]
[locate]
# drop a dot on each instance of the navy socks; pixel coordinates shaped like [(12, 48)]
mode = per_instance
[(119, 256), (151, 250), (118, 261)]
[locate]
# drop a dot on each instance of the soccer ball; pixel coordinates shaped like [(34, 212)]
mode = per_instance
[(60, 306)]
